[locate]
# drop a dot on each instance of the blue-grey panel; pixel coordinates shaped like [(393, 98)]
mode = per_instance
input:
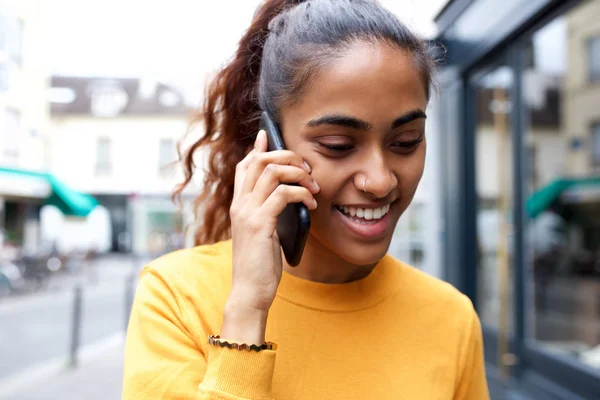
[(487, 23)]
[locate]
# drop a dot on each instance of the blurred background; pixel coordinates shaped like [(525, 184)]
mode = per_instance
[(95, 96)]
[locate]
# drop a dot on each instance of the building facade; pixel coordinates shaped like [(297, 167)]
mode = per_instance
[(116, 139), (520, 103)]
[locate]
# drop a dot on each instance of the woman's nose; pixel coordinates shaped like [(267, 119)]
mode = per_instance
[(377, 179)]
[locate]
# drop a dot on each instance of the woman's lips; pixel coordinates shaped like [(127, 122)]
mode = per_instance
[(367, 229)]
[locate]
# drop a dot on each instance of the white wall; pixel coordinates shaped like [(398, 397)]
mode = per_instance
[(134, 151)]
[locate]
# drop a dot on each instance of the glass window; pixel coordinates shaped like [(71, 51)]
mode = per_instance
[(166, 157), (493, 153), (562, 239), (10, 121), (594, 58), (103, 156)]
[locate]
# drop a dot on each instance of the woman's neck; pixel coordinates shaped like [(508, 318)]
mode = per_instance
[(319, 264)]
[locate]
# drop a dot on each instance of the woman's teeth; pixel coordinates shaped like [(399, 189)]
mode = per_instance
[(365, 213)]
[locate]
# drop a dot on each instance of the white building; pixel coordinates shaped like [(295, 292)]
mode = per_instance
[(116, 139)]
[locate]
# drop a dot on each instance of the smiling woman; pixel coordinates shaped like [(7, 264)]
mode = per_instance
[(348, 86)]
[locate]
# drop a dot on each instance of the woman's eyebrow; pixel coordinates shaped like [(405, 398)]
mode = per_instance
[(340, 120), (358, 124), (408, 117)]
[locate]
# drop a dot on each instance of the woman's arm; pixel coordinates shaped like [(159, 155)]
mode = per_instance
[(164, 358)]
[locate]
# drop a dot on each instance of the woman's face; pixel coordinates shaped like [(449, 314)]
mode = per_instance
[(361, 125)]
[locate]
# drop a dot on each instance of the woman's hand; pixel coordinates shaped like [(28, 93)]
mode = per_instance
[(262, 190)]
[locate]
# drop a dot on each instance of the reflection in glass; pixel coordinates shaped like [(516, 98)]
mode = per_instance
[(563, 184), (493, 138)]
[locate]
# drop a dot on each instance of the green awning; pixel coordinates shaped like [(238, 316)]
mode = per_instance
[(67, 200), (543, 198)]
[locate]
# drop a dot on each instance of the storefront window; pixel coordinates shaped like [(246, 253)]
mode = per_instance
[(563, 187), (493, 148)]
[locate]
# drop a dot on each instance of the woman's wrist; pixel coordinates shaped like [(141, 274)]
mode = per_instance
[(243, 323)]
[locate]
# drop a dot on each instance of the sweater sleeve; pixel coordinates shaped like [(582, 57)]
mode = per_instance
[(473, 383), (163, 360)]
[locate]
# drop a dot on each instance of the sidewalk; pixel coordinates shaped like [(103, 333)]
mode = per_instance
[(97, 377)]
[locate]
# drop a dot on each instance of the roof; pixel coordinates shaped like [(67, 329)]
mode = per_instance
[(111, 97)]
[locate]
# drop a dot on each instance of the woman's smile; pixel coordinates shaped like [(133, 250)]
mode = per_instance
[(370, 223)]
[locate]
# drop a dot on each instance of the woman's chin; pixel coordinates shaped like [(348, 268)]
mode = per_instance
[(366, 254), (358, 252)]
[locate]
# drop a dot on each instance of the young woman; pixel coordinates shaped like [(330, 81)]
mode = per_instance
[(348, 85)]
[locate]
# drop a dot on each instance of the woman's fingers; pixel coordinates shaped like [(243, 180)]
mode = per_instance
[(261, 161), (260, 146), (284, 195), (274, 175)]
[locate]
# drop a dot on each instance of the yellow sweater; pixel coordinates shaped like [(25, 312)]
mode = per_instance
[(396, 334)]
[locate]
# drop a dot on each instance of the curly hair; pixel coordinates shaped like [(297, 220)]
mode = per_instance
[(286, 45)]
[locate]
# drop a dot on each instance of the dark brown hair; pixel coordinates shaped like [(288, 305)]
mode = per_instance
[(287, 44)]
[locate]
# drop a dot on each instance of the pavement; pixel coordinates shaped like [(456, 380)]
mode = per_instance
[(36, 334), (98, 376)]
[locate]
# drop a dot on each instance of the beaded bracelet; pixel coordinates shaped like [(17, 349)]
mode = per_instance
[(215, 340)]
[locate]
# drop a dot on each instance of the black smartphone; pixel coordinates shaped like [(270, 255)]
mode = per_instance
[(293, 224)]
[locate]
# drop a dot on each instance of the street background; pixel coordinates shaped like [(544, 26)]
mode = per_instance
[(95, 97)]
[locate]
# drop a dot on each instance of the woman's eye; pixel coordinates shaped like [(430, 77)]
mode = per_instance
[(337, 147), (407, 145)]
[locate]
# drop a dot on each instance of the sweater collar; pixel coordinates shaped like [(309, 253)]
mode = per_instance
[(342, 297)]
